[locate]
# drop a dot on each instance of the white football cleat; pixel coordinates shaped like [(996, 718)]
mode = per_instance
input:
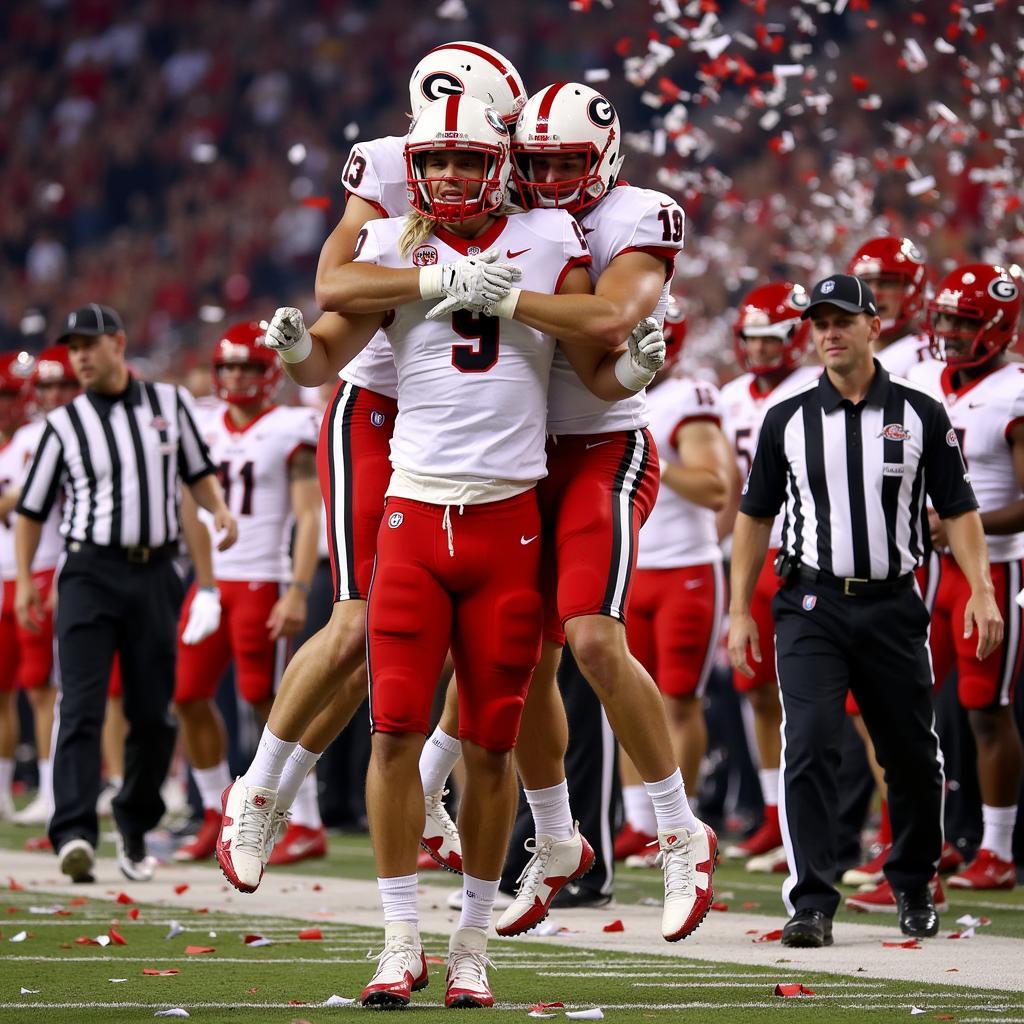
[(466, 985), (247, 823), (772, 862), (552, 866), (440, 835), (401, 968), (688, 860), (37, 812)]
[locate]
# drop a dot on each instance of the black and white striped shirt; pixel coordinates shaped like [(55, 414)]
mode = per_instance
[(121, 460), (853, 478)]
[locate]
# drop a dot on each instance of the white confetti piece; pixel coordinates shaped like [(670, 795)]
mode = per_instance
[(174, 1011), (350, 131), (968, 920), (20, 937), (30, 991), (596, 75), (915, 1010), (102, 940), (117, 981), (595, 1014), (453, 10), (176, 929), (921, 185), (336, 1000)]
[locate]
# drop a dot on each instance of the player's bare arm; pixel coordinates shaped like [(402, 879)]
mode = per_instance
[(197, 540), (208, 494), (705, 474), (967, 542), (749, 547), (28, 605), (338, 285), (288, 615)]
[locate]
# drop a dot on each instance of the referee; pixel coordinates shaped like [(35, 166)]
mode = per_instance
[(851, 457), (121, 450)]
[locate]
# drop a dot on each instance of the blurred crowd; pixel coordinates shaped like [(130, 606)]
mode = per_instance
[(181, 161)]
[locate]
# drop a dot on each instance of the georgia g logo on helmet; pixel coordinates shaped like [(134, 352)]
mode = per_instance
[(441, 83), (1002, 289), (601, 112)]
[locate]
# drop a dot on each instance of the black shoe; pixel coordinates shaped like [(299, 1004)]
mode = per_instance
[(917, 913), (808, 928), (573, 895), (132, 859)]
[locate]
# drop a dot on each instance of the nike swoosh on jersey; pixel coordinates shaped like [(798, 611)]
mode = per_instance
[(509, 254), (665, 206), (975, 405), (528, 540)]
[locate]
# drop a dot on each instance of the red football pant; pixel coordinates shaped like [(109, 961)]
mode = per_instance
[(599, 491), (242, 637), (761, 611), (673, 624), (26, 658), (354, 467), (482, 602)]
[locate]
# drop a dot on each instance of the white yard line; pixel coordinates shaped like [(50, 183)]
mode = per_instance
[(986, 961)]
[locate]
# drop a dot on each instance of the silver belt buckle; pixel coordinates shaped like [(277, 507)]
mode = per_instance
[(138, 554), (847, 580)]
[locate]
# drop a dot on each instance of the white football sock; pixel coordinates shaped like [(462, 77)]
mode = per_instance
[(296, 770), (769, 786), (45, 766), (670, 804), (437, 759), (6, 775), (639, 810), (305, 807), (268, 764), (998, 830), (477, 902), (552, 815), (398, 897), (211, 783)]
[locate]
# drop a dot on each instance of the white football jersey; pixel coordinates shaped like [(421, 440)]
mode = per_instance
[(743, 410), (375, 171), (678, 533), (472, 390), (252, 466), (51, 544), (982, 412), (899, 356), (628, 219), (10, 475)]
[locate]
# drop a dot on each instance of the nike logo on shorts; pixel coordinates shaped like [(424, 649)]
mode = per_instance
[(693, 584), (509, 254), (528, 540), (597, 444)]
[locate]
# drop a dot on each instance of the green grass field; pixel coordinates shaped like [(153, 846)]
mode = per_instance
[(290, 979)]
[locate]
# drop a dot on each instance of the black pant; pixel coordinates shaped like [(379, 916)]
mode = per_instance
[(106, 606), (591, 772), (876, 646)]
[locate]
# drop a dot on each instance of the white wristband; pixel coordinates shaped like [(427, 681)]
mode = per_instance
[(430, 282), (630, 374), (507, 306), (299, 352)]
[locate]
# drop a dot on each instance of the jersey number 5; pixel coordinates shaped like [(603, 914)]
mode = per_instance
[(483, 353)]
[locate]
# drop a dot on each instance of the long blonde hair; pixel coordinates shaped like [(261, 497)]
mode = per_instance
[(419, 226)]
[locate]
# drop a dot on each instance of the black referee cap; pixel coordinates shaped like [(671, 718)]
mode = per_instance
[(846, 292), (91, 320)]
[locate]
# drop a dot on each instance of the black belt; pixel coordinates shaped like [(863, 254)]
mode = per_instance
[(850, 586), (138, 555)]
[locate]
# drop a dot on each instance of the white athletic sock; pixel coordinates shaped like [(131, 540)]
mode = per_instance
[(115, 782), (639, 810), (769, 786), (211, 783), (305, 807), (551, 813), (296, 771), (268, 764), (398, 897), (45, 766), (437, 759), (671, 807), (998, 830), (6, 775), (477, 902)]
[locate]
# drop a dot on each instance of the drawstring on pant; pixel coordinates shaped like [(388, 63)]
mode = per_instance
[(446, 525)]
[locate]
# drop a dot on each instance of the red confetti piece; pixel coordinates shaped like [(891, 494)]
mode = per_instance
[(123, 897), (317, 887), (117, 938), (134, 913), (614, 926), (201, 910), (297, 1002), (197, 950), (793, 990), (541, 1007), (252, 938), (179, 889), (435, 960), (720, 907), (955, 935), (153, 972), (251, 990), (772, 936), (311, 933), (78, 901), (84, 940), (14, 885), (908, 944), (751, 905), (859, 83), (12, 910)]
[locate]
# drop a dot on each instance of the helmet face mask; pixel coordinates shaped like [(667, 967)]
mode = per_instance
[(242, 346), (558, 126), (974, 315), (892, 262), (772, 311)]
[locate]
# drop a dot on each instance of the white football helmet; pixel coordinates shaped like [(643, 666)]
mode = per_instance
[(567, 118), (464, 124), (470, 68)]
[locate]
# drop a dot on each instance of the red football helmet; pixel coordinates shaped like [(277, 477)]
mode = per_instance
[(15, 387), (898, 260), (674, 330), (53, 367), (990, 298), (242, 345), (773, 311)]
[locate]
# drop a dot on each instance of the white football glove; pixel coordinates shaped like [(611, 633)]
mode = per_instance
[(203, 617), (644, 356), (472, 283), (287, 335)]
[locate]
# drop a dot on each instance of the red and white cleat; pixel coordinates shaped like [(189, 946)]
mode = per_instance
[(246, 827), (552, 865), (203, 845), (630, 842), (401, 968), (466, 985), (766, 839), (769, 863), (299, 843), (440, 836), (882, 900), (688, 860), (986, 871), (869, 873), (951, 859)]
